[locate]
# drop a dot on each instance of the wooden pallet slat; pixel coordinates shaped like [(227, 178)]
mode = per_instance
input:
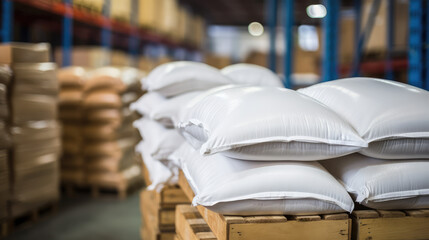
[(382, 224), (190, 225), (328, 226)]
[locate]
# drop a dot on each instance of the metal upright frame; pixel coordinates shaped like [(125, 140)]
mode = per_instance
[(415, 42), (330, 40), (288, 22), (272, 24), (7, 23), (67, 40), (390, 37), (106, 31)]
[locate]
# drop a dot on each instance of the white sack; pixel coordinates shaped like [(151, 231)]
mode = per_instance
[(146, 103), (383, 184), (167, 111), (392, 117), (238, 187), (266, 123), (161, 142), (251, 74), (159, 174), (174, 78)]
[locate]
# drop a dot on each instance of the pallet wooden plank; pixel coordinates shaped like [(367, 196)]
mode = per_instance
[(306, 218), (418, 213), (166, 217), (365, 214), (173, 196), (391, 214), (183, 183), (338, 216), (264, 219), (190, 225), (326, 229), (152, 215), (177, 237), (392, 228)]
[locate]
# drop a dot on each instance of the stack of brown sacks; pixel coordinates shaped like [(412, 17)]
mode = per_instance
[(71, 81), (34, 127), (5, 75), (108, 132)]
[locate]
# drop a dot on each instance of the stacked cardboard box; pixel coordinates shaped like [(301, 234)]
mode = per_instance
[(109, 137), (34, 127), (5, 75), (71, 81), (120, 10)]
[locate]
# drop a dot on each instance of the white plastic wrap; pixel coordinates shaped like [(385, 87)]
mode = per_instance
[(161, 142), (237, 187), (392, 117), (266, 123), (159, 174), (383, 184), (250, 74), (174, 78)]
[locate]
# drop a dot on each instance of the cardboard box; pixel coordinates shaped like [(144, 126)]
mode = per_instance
[(121, 10), (93, 6), (24, 53), (378, 39), (148, 13), (86, 56), (35, 78)]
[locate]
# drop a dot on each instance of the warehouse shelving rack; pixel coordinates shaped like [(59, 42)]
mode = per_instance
[(69, 14), (417, 62)]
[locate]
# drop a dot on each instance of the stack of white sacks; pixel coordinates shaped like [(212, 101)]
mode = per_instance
[(253, 148)]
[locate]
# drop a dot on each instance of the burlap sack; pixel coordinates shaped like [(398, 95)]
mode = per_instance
[(71, 77), (102, 99), (70, 97), (105, 78)]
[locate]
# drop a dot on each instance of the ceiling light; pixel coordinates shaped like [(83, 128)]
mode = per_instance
[(316, 11), (256, 29)]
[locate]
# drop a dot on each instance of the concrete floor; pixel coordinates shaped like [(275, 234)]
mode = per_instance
[(81, 217)]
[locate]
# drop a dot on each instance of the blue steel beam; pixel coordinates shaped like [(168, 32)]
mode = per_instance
[(427, 48), (390, 37), (272, 23), (330, 40), (364, 36), (415, 42), (7, 13), (288, 21), (67, 33), (106, 32)]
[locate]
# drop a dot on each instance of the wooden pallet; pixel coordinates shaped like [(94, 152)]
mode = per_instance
[(161, 219), (190, 225), (328, 226), (146, 233), (29, 217), (392, 225)]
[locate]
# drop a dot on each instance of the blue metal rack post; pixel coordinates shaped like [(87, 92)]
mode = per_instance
[(106, 32), (288, 21), (415, 54), (272, 23), (358, 12), (390, 37), (6, 31), (67, 33), (427, 48), (330, 41)]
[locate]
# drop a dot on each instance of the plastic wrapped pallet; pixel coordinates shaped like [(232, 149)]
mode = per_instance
[(253, 123), (35, 165), (35, 132), (392, 117), (34, 94), (383, 184), (239, 187)]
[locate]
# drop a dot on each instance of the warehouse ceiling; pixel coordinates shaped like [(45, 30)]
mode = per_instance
[(243, 12)]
